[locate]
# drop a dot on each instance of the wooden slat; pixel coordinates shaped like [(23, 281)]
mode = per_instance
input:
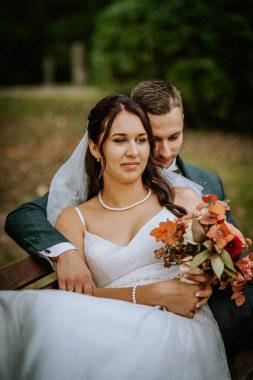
[(21, 273), (51, 285)]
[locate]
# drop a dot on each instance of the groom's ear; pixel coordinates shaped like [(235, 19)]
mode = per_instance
[(94, 149)]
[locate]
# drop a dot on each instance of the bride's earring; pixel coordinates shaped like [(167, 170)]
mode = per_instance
[(98, 159)]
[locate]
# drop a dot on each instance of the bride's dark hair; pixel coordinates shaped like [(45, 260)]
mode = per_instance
[(100, 121)]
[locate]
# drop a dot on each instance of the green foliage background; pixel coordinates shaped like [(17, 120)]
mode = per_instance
[(33, 29), (204, 48)]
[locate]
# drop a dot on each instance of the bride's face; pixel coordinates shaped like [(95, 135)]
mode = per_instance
[(126, 149)]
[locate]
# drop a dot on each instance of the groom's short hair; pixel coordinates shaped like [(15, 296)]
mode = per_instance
[(157, 96)]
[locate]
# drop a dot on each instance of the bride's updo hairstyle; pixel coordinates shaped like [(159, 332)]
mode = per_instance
[(100, 121)]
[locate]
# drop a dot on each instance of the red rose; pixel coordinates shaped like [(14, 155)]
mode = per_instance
[(234, 247)]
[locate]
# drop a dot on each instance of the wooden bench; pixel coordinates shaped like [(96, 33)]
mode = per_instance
[(26, 272), (22, 273)]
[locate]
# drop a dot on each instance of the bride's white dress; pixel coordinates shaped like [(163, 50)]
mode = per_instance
[(68, 336)]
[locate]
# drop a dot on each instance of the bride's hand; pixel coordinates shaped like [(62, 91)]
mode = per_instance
[(179, 297), (207, 280)]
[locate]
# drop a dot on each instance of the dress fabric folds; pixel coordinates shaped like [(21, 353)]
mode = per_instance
[(54, 335)]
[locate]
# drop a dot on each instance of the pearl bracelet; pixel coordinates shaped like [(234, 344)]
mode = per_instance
[(134, 294)]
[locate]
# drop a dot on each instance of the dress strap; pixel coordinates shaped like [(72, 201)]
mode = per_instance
[(80, 216)]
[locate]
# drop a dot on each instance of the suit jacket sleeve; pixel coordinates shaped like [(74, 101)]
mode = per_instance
[(29, 227)]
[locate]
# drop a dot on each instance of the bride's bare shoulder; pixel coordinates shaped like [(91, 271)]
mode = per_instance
[(186, 197), (71, 212), (90, 206)]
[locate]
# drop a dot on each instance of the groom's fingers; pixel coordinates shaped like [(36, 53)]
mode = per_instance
[(62, 285), (87, 288), (73, 273), (70, 287), (78, 288)]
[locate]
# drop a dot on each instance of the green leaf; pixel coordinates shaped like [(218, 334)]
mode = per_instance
[(199, 247), (187, 258), (217, 265), (227, 260), (209, 245), (230, 273), (200, 258)]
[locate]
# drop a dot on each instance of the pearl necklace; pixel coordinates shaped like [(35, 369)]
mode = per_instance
[(123, 208)]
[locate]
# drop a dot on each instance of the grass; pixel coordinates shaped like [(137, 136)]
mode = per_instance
[(231, 157), (40, 127)]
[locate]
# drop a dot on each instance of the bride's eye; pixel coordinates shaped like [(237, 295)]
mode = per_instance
[(141, 140), (119, 141)]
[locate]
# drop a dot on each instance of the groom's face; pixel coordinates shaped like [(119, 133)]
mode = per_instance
[(168, 134)]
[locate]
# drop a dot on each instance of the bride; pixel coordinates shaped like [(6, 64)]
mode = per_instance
[(142, 322)]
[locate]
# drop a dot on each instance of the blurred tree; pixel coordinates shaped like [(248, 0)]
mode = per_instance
[(33, 29), (204, 48), (21, 30)]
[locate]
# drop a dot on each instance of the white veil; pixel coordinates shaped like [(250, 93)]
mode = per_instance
[(178, 180), (69, 185)]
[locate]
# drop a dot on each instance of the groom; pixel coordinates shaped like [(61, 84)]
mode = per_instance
[(163, 103), (29, 227)]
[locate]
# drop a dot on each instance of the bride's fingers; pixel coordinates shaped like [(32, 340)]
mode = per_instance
[(207, 292), (197, 277), (201, 302), (191, 314)]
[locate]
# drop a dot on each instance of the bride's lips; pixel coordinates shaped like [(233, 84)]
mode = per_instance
[(131, 165)]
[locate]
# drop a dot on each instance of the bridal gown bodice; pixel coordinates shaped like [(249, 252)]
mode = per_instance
[(134, 264), (57, 335)]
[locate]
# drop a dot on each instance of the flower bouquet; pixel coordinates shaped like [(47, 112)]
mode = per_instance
[(204, 240)]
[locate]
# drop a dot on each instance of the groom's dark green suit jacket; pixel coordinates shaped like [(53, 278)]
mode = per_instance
[(28, 225)]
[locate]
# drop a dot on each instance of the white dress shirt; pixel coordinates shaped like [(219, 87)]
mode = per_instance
[(55, 251)]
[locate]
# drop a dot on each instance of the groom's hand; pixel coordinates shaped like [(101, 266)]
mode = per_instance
[(73, 273)]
